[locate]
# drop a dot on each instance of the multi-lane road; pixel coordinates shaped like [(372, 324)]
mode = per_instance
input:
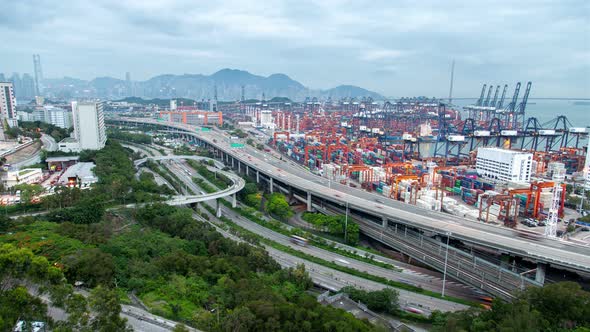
[(331, 278), (557, 252)]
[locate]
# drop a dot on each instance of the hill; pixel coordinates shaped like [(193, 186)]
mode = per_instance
[(227, 82)]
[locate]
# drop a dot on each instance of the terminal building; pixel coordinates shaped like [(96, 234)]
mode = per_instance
[(504, 166)]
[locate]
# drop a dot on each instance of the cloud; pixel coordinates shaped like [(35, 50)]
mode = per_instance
[(397, 48), (375, 55)]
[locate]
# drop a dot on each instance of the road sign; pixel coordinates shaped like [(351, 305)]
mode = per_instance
[(205, 129), (237, 145)]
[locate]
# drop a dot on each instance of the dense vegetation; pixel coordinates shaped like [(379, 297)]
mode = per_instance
[(555, 307), (385, 300), (179, 267), (21, 271), (129, 137), (35, 128), (335, 225)]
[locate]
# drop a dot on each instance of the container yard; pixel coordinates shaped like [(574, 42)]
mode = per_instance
[(487, 162)]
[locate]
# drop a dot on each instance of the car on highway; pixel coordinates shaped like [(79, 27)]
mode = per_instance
[(379, 201), (415, 310), (342, 261)]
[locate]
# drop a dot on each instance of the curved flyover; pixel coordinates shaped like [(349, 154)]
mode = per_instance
[(510, 242), (237, 182)]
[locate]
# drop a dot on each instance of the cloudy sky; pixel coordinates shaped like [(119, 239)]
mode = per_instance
[(397, 48)]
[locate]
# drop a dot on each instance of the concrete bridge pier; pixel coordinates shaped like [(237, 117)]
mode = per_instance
[(271, 185), (217, 208), (384, 222), (540, 274), (247, 170), (234, 201), (233, 162), (239, 167), (257, 177), (309, 207)]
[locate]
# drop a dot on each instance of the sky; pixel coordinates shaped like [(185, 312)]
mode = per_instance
[(396, 48)]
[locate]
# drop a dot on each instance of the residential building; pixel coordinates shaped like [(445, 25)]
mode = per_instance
[(504, 165), (40, 114), (8, 104), (58, 117), (89, 127)]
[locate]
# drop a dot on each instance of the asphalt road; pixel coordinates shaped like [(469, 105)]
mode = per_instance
[(522, 243), (49, 142), (334, 279)]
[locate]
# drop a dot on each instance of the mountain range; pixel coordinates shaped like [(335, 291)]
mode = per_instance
[(227, 82)]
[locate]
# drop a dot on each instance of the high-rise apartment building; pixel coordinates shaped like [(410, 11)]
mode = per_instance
[(58, 117), (8, 104), (89, 128)]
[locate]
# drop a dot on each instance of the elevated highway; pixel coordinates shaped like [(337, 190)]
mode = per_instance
[(377, 216), (237, 182)]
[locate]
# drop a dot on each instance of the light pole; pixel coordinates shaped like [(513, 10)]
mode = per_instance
[(448, 234)]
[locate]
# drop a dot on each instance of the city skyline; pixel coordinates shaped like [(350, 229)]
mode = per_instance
[(395, 50)]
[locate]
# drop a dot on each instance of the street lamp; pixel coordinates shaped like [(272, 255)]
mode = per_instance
[(448, 234)]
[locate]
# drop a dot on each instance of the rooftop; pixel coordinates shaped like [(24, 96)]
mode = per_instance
[(62, 159), (503, 150), (82, 171), (68, 140)]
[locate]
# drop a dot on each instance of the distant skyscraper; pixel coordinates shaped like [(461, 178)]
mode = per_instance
[(2, 78), (38, 75), (89, 128), (8, 104), (28, 88)]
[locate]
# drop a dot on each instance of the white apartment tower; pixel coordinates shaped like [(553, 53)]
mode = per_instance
[(58, 117), (504, 165), (8, 104), (89, 128)]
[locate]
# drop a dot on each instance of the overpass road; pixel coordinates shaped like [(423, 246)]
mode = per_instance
[(265, 165)]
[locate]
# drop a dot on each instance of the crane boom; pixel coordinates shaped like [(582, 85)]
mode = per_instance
[(501, 102), (480, 100), (493, 103), (487, 101)]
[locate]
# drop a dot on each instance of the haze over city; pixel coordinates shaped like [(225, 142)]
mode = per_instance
[(401, 49)]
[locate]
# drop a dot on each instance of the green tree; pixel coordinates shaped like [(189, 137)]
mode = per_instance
[(180, 328), (105, 306), (277, 205)]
